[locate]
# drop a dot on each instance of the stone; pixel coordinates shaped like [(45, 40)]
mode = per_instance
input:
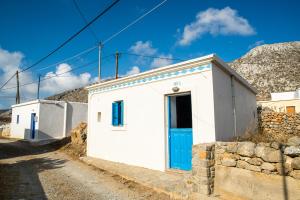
[(268, 166), (231, 148), (246, 149), (275, 145), (298, 128), (255, 161), (268, 154), (292, 151), (295, 174), (242, 164), (253, 168), (229, 162), (245, 165), (294, 141), (295, 163), (244, 158), (283, 168)]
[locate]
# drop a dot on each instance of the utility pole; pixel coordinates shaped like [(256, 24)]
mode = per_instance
[(99, 61), (38, 89), (18, 88), (117, 64)]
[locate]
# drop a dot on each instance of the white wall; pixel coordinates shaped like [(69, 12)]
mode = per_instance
[(51, 120), (223, 104), (246, 109), (285, 95), (142, 141), (22, 130), (76, 113)]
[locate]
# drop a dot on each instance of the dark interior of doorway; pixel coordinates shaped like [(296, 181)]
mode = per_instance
[(184, 111)]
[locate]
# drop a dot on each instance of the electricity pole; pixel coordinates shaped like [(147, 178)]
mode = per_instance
[(38, 89), (117, 64), (99, 61), (18, 88)]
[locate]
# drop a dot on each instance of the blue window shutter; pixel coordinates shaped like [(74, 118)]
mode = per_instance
[(115, 114), (122, 113)]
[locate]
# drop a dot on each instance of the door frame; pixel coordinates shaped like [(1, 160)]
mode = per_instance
[(32, 126), (168, 124)]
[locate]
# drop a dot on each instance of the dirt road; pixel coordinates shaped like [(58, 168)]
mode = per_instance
[(31, 172)]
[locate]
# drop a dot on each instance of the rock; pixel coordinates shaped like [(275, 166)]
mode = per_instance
[(298, 128), (245, 165), (246, 149), (296, 163), (294, 141), (231, 148), (283, 168), (268, 166), (255, 161), (295, 174), (244, 158), (292, 151), (229, 162), (253, 168), (275, 145), (268, 154)]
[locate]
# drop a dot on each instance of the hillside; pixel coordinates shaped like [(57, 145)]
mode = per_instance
[(75, 95), (271, 68)]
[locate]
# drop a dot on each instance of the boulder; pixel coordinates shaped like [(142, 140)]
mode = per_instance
[(245, 165), (231, 148), (275, 145), (294, 141), (295, 163), (295, 174), (268, 154), (255, 161), (268, 166), (229, 162), (246, 149), (283, 168), (292, 151)]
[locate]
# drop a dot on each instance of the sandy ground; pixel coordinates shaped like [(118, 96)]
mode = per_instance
[(31, 172)]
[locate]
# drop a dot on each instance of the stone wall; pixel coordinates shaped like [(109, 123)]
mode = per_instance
[(279, 125), (5, 130), (268, 158)]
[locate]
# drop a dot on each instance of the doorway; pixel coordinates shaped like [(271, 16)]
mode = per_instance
[(180, 132), (32, 125)]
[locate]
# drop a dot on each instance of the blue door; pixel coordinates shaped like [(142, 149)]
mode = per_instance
[(180, 132), (32, 126)]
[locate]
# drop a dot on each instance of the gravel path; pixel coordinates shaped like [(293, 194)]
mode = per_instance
[(30, 172)]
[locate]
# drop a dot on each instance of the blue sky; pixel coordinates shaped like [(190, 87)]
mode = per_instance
[(178, 29)]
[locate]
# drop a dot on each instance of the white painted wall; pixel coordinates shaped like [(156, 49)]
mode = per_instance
[(22, 130), (50, 119), (142, 141), (223, 105), (285, 95)]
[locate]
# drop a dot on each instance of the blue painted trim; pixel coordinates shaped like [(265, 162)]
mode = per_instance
[(162, 76), (32, 126)]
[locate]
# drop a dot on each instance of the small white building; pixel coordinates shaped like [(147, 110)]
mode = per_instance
[(152, 119), (46, 119), (288, 102)]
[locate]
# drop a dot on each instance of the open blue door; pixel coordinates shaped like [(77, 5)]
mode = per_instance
[(180, 132), (32, 126)]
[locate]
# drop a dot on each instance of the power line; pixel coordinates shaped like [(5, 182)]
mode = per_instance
[(73, 36), (8, 80), (134, 22), (59, 75), (85, 20)]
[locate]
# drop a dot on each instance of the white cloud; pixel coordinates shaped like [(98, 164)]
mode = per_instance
[(224, 21), (144, 48), (133, 70), (66, 81), (255, 44), (158, 62)]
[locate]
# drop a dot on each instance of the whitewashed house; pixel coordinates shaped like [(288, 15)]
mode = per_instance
[(46, 119), (152, 119)]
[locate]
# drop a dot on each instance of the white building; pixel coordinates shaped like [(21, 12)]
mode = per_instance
[(152, 119), (288, 102), (46, 119)]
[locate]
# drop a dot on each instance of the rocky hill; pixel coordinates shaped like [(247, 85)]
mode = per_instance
[(271, 68), (75, 95)]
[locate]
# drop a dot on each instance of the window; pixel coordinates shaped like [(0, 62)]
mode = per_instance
[(291, 109), (99, 116), (18, 118), (117, 113)]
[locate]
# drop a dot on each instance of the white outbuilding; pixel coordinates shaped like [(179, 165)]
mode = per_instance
[(152, 119), (46, 119)]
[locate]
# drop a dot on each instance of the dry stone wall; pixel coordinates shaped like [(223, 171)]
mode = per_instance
[(278, 125), (268, 158)]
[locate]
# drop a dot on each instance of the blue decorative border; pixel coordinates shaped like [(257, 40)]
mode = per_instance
[(162, 76)]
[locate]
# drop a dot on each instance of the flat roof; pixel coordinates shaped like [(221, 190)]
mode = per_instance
[(211, 58), (42, 101)]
